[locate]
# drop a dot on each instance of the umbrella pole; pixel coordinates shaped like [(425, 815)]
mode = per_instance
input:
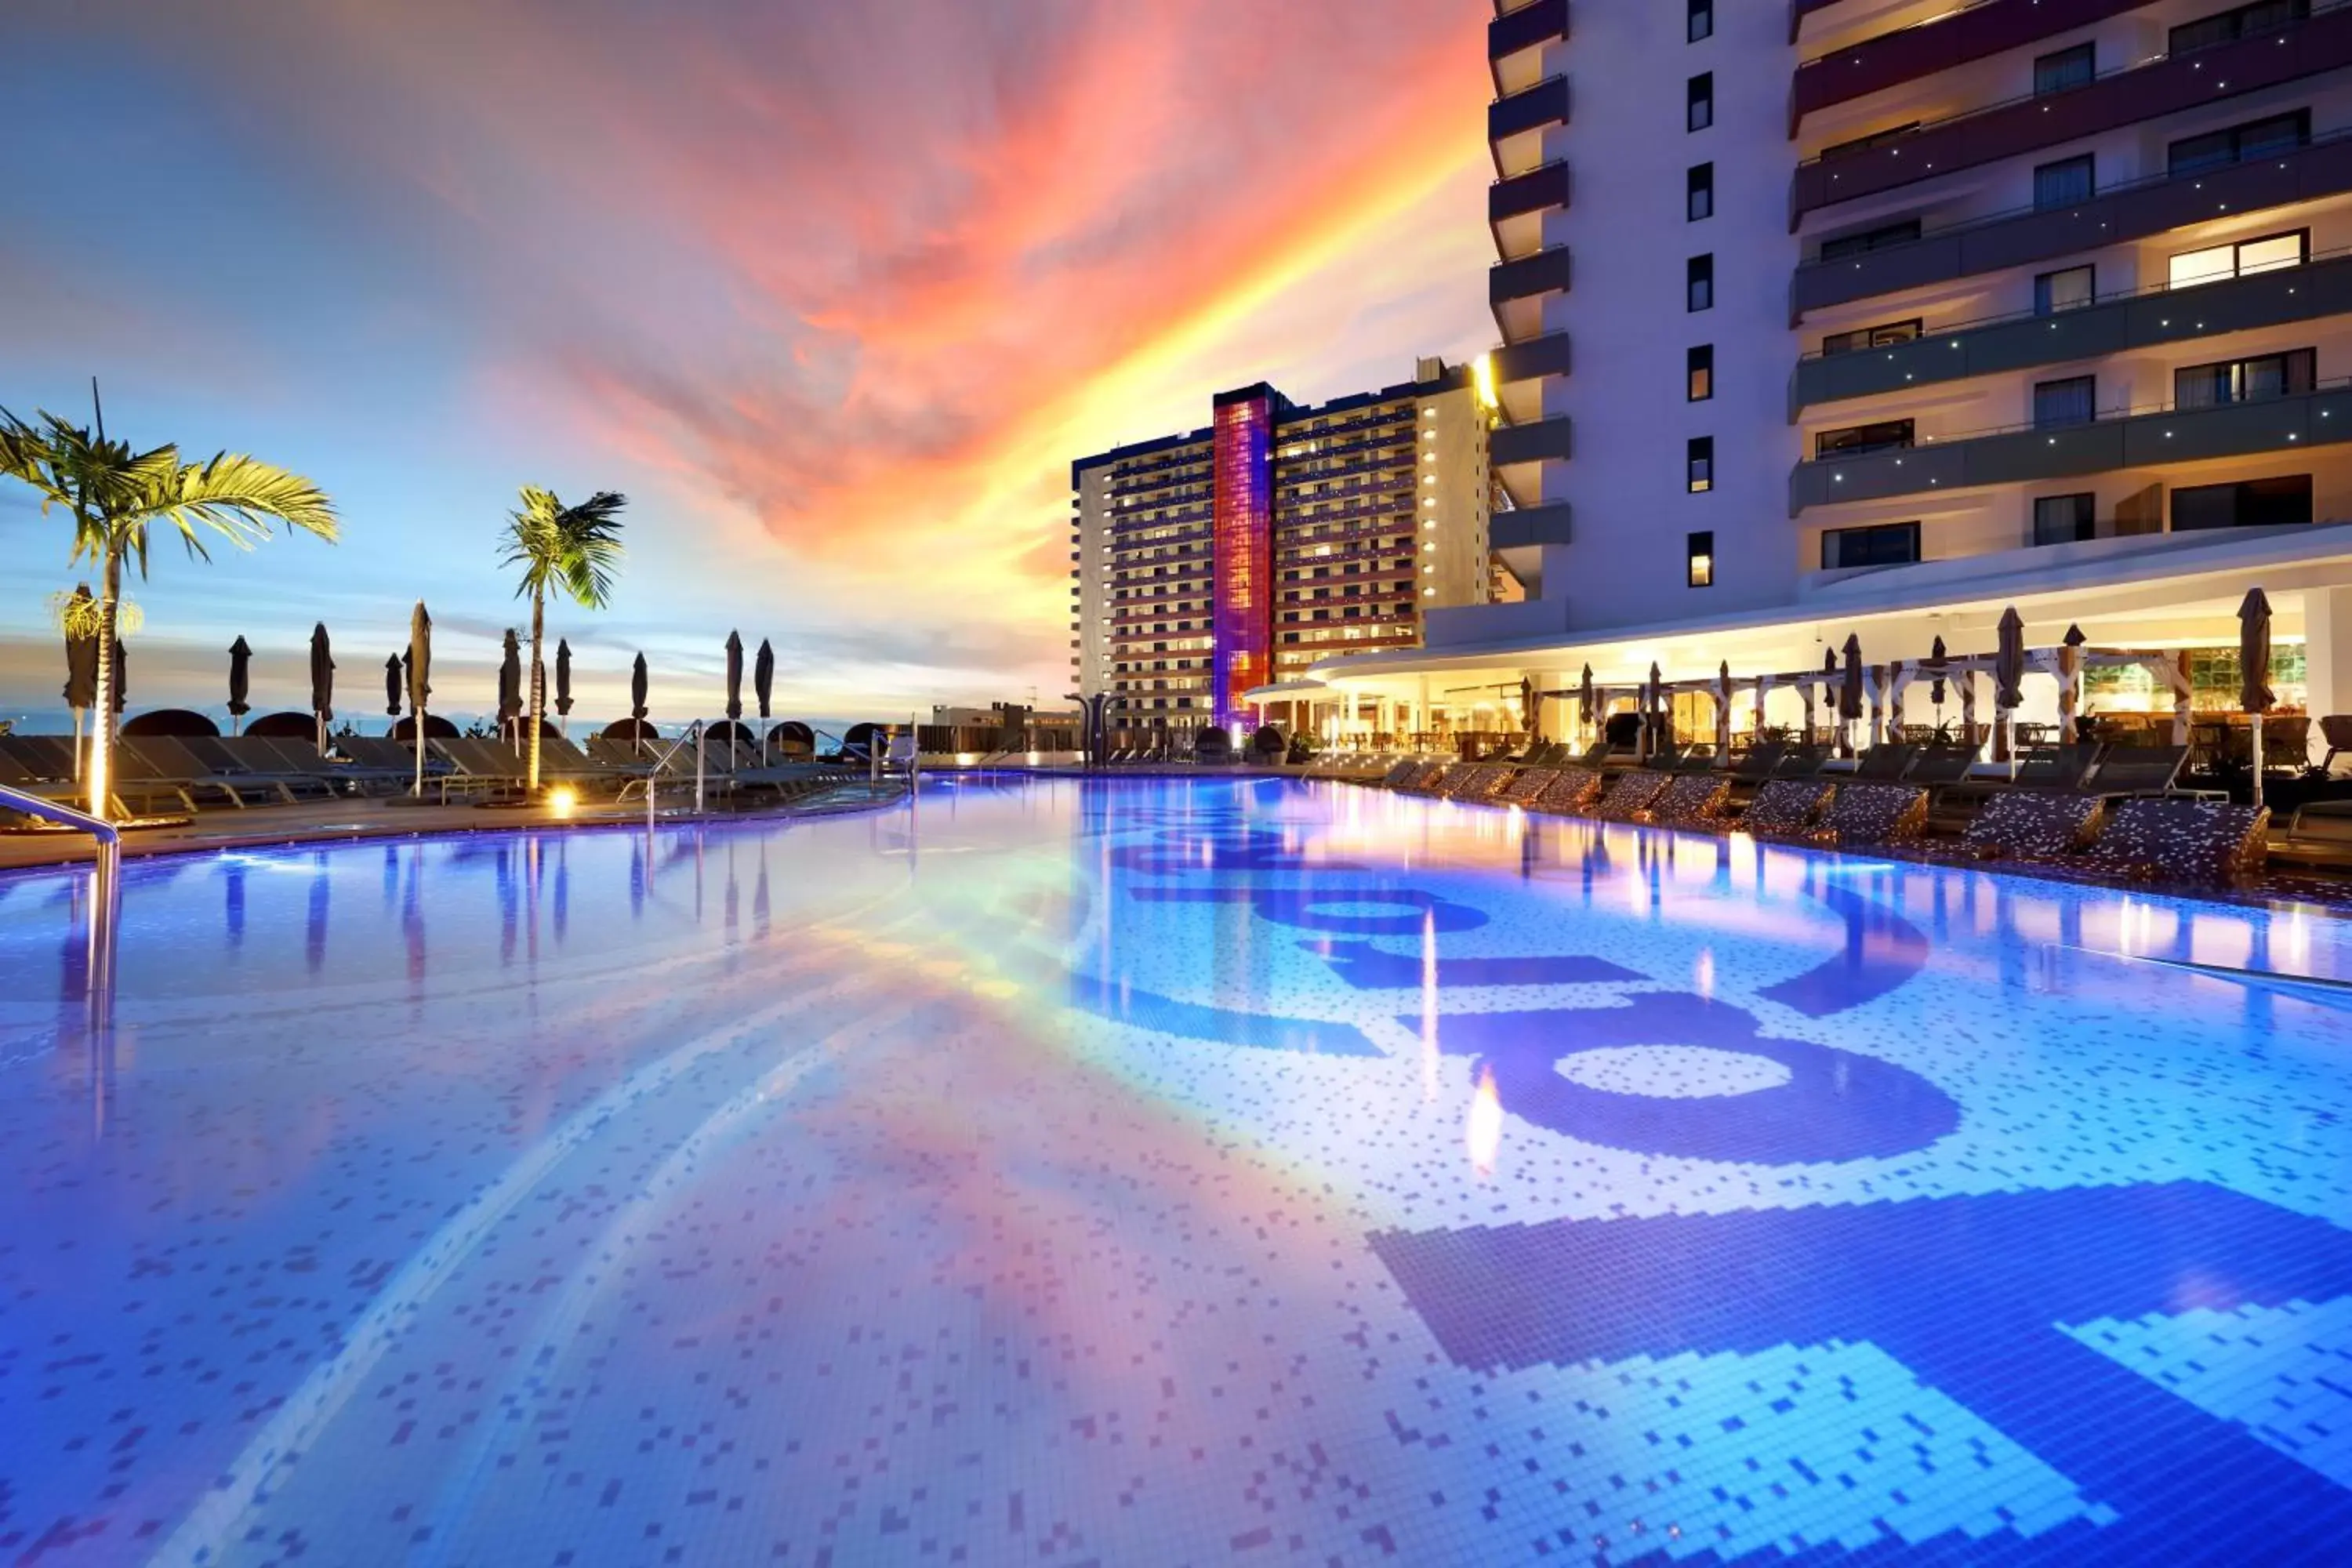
[(78, 750), (419, 739), (2256, 721)]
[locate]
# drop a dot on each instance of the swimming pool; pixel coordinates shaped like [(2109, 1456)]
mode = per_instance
[(1167, 1172)]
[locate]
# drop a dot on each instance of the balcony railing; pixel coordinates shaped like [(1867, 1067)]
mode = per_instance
[(1534, 442), (1525, 526), (1545, 103), (2144, 89), (1529, 276), (1529, 25), (1547, 354), (2133, 209), (2132, 438), (2115, 323), (1545, 186), (1940, 43)]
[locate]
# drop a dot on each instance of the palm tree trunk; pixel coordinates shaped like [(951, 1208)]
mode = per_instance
[(101, 774), (538, 677)]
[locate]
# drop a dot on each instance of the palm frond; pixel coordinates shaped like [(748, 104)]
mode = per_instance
[(577, 548)]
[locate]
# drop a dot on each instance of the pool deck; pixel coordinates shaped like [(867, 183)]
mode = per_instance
[(343, 821)]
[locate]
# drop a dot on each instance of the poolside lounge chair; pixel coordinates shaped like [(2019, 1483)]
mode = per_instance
[(2026, 824), (1754, 764), (1432, 779), (1572, 792), (1527, 786), (2057, 766), (1474, 782), (1396, 777), (2135, 771), (1868, 812), (1631, 795), (2190, 841), (1801, 762), (1940, 765), (1692, 800), (1696, 760), (44, 760), (1885, 763), (1785, 806), (2320, 833)]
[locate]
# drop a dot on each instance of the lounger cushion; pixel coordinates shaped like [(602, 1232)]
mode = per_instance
[(2032, 824), (2183, 841), (1692, 800), (1631, 793), (1477, 783), (1866, 811), (1572, 792), (1528, 786), (1396, 776), (1785, 806)]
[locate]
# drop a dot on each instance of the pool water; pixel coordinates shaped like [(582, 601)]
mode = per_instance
[(1167, 1172)]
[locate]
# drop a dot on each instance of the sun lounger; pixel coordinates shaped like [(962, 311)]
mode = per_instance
[(1527, 786), (1754, 764), (1692, 800), (44, 758), (1572, 792), (1785, 807), (2135, 771), (2026, 824), (1885, 763), (2190, 841), (1868, 812), (1631, 795), (1801, 762), (1396, 776), (1475, 781)]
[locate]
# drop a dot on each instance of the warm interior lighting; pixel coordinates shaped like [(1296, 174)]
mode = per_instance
[(1482, 373)]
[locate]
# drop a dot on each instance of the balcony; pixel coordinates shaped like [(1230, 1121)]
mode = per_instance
[(1537, 441), (2147, 91), (2115, 324), (1545, 103), (2133, 210), (1524, 28), (1528, 277), (1953, 38), (1801, 9), (1528, 526), (2131, 440), (1545, 186), (1525, 360)]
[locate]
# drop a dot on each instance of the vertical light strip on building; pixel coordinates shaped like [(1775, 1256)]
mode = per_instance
[(1241, 550)]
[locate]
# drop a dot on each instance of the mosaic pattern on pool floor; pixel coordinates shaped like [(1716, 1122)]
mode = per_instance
[(1168, 1171)]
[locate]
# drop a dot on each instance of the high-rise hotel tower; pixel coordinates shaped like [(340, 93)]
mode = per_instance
[(1209, 564), (1879, 316)]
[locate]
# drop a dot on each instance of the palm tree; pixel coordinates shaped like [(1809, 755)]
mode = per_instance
[(115, 494), (574, 547)]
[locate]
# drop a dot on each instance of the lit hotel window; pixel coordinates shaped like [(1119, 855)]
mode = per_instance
[(1699, 464), (1699, 366), (1700, 549)]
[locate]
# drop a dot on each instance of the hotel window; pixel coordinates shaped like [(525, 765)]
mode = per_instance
[(1859, 440), (2063, 183), (2218, 261), (1702, 20), (1885, 335), (1699, 373), (2255, 139), (1869, 239), (1699, 192), (2064, 519), (2068, 289), (1882, 544), (2248, 504), (1698, 102), (2230, 26), (2245, 380), (1698, 465), (1698, 283), (2066, 69), (1698, 552), (2074, 400)]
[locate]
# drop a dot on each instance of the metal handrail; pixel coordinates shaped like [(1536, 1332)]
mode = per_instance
[(106, 884), (2114, 416)]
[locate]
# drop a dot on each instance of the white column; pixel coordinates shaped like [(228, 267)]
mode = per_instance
[(2328, 655)]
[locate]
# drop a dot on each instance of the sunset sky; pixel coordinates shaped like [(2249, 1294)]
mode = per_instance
[(833, 291)]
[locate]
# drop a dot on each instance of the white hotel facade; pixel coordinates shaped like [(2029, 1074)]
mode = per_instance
[(1878, 317)]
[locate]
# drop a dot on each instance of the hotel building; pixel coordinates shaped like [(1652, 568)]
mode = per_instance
[(1880, 316), (1207, 564)]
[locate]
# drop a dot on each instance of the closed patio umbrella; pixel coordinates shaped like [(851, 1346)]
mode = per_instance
[(420, 679), (1723, 708), (563, 682), (1587, 701), (763, 687), (392, 686), (1935, 660), (510, 684), (734, 676), (1850, 693), (240, 683), (81, 661), (1656, 723), (322, 681), (637, 695), (1529, 717), (2254, 693), (2008, 679)]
